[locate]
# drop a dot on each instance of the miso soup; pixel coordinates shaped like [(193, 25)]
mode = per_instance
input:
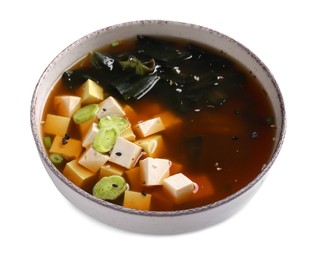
[(159, 124)]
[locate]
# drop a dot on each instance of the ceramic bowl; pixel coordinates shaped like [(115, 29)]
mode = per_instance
[(169, 222)]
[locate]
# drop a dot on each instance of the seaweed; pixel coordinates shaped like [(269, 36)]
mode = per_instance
[(194, 77), (135, 86), (163, 51)]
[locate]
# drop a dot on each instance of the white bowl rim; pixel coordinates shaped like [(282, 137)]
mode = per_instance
[(113, 206)]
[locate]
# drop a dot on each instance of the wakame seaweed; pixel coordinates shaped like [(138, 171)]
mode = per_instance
[(192, 75), (162, 51), (135, 86), (75, 78), (104, 61)]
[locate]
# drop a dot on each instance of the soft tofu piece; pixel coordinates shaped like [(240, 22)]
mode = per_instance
[(91, 92), (79, 175), (137, 200), (90, 135), (125, 153), (133, 178), (110, 106), (152, 145), (85, 126), (149, 127), (56, 125), (154, 170), (70, 150), (169, 119), (179, 187), (92, 160), (67, 105), (111, 169), (128, 135)]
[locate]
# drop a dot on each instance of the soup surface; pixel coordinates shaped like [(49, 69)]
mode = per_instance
[(218, 126)]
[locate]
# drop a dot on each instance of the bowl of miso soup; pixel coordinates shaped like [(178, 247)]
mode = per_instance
[(157, 127)]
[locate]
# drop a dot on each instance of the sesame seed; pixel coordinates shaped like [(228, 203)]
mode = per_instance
[(254, 135), (234, 138)]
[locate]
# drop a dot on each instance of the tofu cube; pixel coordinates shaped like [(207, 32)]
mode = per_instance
[(90, 135), (111, 169), (70, 150), (110, 106), (169, 119), (67, 105), (79, 175), (133, 178), (56, 125), (137, 200), (92, 160), (91, 92), (128, 135), (85, 126), (125, 153), (152, 145), (179, 187), (154, 170), (149, 127)]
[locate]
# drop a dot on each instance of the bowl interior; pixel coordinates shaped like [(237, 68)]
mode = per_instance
[(203, 35)]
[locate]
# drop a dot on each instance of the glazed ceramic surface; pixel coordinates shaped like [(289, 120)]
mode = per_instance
[(170, 222)]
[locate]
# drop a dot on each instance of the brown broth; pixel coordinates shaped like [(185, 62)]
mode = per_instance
[(221, 148)]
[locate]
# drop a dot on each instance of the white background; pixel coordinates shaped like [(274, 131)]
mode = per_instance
[(281, 221)]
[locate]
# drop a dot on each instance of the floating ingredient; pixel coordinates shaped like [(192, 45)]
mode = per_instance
[(85, 113), (105, 139), (110, 188), (111, 121), (56, 159)]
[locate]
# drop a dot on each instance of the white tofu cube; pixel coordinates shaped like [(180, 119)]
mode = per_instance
[(111, 169), (90, 135), (125, 153), (56, 125), (179, 187), (67, 105), (154, 170), (92, 160), (70, 150), (129, 135), (137, 200), (149, 127), (91, 92), (110, 106), (152, 145), (79, 175)]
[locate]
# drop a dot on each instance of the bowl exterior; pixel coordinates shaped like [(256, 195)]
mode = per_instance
[(147, 221)]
